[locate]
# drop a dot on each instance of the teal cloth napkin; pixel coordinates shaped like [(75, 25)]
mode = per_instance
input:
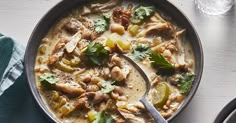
[(11, 62), (16, 102)]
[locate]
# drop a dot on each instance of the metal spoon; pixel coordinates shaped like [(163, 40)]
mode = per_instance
[(149, 107)]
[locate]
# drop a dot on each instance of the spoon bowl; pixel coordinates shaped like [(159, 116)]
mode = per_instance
[(149, 107)]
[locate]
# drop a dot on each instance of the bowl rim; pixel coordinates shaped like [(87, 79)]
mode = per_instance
[(52, 118)]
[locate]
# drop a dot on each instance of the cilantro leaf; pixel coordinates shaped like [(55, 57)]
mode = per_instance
[(107, 86), (96, 54), (101, 24), (164, 67), (141, 13), (48, 78), (141, 51), (185, 82), (102, 117)]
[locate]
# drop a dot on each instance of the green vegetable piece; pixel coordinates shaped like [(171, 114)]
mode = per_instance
[(164, 67), (107, 86), (102, 117), (48, 78), (141, 13), (101, 24), (107, 16), (163, 92), (140, 52), (185, 83), (96, 54)]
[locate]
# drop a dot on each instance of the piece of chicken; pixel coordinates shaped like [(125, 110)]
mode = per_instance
[(57, 52), (104, 7), (71, 88), (130, 117), (157, 25), (71, 45)]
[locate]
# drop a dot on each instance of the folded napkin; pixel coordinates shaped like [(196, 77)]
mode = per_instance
[(16, 103), (11, 62)]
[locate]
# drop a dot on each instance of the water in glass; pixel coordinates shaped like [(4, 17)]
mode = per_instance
[(214, 7)]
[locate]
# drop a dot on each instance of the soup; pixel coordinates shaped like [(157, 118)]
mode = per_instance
[(82, 76)]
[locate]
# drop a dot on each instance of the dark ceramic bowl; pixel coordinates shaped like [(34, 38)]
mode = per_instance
[(228, 113), (65, 6)]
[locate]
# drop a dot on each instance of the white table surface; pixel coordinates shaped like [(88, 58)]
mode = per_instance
[(218, 85)]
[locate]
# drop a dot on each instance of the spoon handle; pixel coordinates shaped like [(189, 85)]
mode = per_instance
[(155, 114)]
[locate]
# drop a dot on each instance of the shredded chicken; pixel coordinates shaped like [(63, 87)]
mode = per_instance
[(130, 117), (104, 7), (157, 25), (83, 100), (71, 88), (82, 25), (72, 25), (71, 45), (58, 52), (180, 53), (85, 10)]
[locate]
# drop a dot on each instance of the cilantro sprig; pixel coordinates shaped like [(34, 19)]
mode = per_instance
[(141, 13), (103, 117), (164, 67), (107, 86), (48, 78), (101, 24), (140, 52), (185, 82), (96, 54)]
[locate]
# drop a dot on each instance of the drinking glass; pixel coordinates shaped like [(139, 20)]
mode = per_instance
[(214, 7)]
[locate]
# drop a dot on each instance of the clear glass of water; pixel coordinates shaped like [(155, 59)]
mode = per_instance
[(214, 7)]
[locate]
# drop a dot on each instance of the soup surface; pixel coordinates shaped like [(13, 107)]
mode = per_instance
[(82, 75)]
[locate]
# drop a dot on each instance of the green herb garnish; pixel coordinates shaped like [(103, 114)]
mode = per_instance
[(96, 54), (107, 86), (141, 13), (141, 51), (185, 82), (48, 78), (107, 16), (164, 67), (101, 24), (102, 117)]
